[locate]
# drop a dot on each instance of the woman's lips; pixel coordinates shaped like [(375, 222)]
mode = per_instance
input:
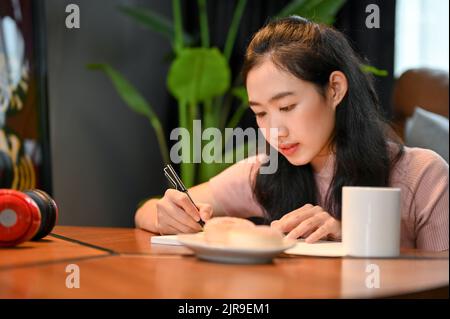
[(288, 149)]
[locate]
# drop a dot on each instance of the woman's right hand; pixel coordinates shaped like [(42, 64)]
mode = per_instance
[(176, 213)]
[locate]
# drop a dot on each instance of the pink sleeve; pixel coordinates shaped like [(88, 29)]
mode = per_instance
[(232, 189), (431, 203)]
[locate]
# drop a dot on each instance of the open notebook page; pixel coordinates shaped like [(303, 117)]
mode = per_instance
[(165, 240)]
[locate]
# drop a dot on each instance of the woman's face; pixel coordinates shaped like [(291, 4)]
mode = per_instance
[(305, 119)]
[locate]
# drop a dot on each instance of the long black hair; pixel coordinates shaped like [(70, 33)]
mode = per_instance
[(311, 52)]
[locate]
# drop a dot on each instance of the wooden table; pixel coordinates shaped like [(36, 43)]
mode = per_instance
[(121, 263)]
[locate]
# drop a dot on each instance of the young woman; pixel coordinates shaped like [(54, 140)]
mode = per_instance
[(305, 80)]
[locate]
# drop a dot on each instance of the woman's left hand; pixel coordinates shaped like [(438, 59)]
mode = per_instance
[(310, 222)]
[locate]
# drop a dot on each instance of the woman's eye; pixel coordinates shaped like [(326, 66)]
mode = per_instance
[(260, 114), (287, 108)]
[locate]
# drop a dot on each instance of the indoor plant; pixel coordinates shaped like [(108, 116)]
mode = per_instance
[(199, 76)]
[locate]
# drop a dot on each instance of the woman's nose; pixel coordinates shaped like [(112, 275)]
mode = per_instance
[(276, 131), (282, 131), (277, 122)]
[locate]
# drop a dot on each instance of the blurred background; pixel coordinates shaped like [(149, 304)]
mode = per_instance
[(71, 97)]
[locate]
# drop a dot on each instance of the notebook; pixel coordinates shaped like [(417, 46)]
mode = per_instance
[(165, 240), (320, 248)]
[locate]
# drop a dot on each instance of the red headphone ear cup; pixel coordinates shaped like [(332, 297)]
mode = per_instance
[(20, 218), (48, 209)]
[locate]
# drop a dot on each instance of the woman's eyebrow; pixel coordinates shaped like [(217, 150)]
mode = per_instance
[(273, 98)]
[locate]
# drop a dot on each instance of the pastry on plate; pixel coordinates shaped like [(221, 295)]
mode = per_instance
[(216, 229), (241, 233), (258, 237)]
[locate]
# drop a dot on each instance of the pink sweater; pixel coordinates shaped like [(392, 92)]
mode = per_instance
[(422, 176)]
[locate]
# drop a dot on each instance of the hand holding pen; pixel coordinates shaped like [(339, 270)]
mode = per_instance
[(176, 211)]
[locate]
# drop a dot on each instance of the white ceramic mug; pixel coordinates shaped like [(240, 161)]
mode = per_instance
[(371, 221)]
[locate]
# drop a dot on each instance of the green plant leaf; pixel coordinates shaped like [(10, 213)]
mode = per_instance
[(178, 42), (232, 31), (241, 93), (126, 91), (198, 74), (204, 28), (136, 102), (371, 69), (155, 22), (320, 11)]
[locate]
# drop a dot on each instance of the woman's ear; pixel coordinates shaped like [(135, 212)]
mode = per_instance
[(337, 86)]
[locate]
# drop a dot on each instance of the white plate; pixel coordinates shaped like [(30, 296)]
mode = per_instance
[(227, 254)]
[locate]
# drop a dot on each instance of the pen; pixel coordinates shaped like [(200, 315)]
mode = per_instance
[(176, 181)]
